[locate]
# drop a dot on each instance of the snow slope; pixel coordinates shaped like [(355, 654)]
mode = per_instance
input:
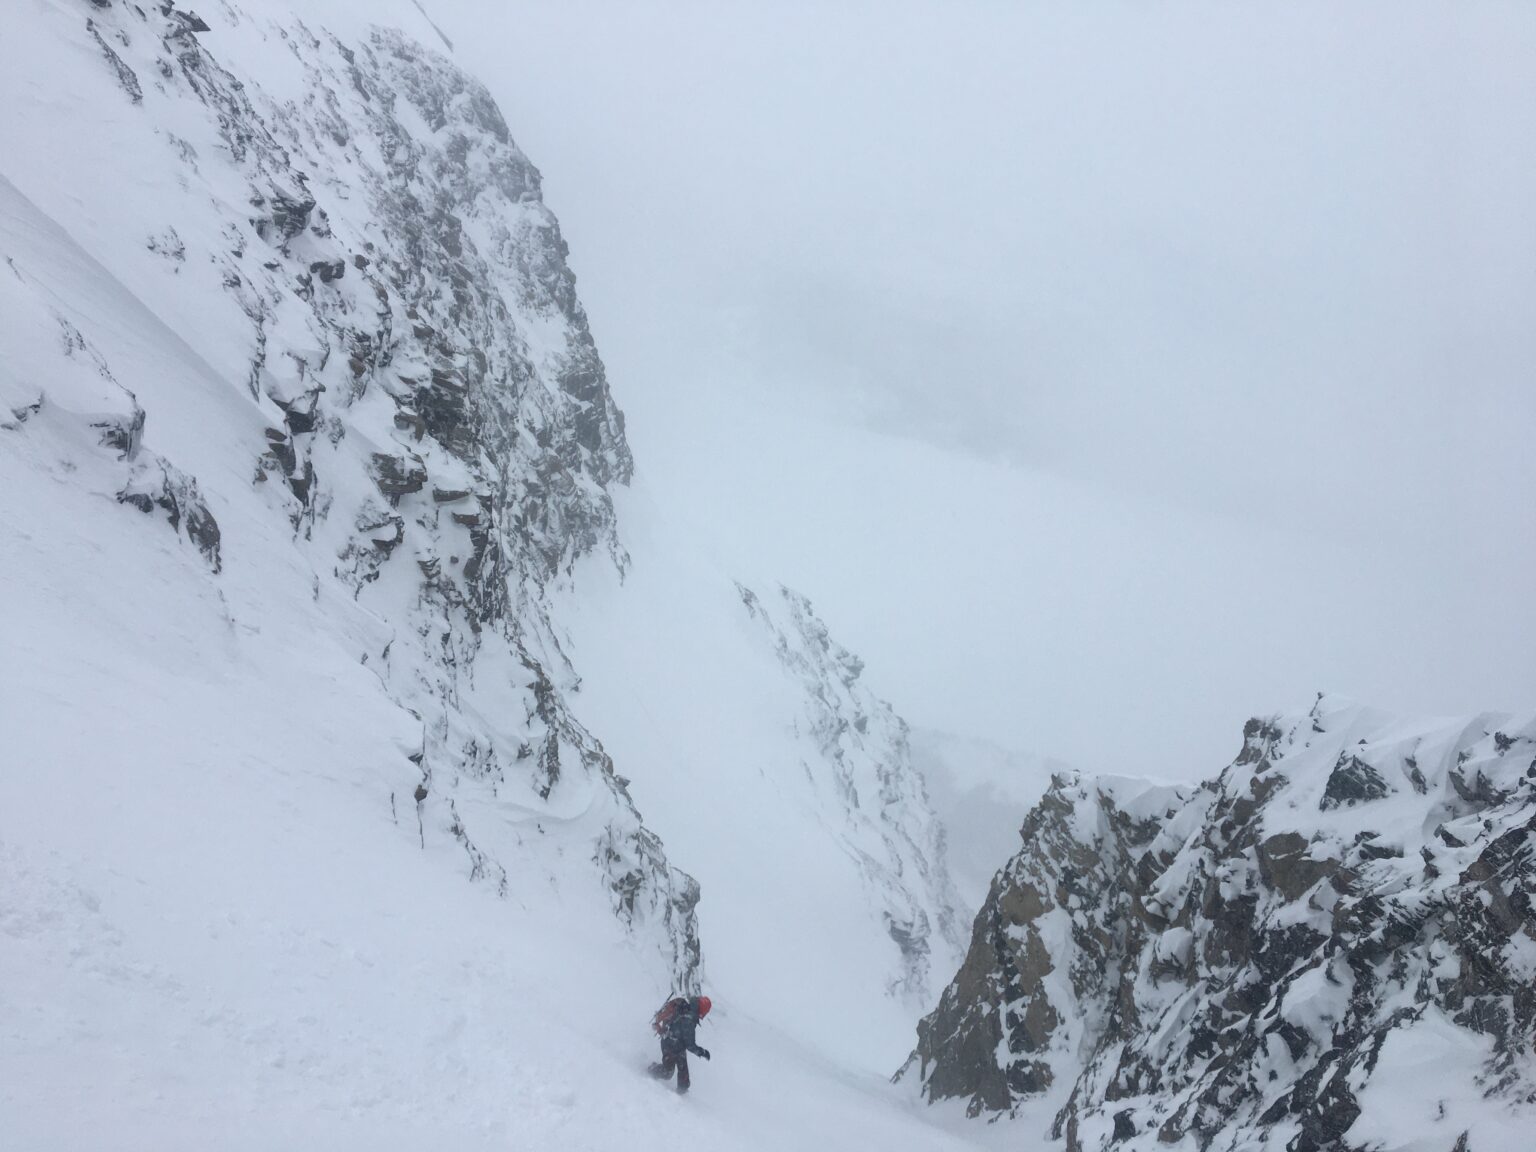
[(319, 596), (794, 795), (215, 933)]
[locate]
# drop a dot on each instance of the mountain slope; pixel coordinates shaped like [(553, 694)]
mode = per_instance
[(1329, 946), (781, 779), (323, 821), (360, 328)]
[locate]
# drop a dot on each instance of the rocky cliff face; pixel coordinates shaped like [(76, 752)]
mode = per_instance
[(1331, 945), (859, 770), (345, 239), (288, 296)]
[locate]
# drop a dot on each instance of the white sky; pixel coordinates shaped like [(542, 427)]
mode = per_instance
[(1104, 372)]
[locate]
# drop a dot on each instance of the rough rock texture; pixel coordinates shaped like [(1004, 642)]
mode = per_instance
[(1333, 937), (112, 422), (876, 800), (355, 252)]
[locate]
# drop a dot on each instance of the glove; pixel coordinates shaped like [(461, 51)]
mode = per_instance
[(704, 1053)]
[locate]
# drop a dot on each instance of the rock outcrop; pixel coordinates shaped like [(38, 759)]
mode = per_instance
[(317, 321), (343, 241), (872, 797), (1329, 945)]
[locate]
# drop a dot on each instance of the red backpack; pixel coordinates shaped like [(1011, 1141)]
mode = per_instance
[(665, 1013)]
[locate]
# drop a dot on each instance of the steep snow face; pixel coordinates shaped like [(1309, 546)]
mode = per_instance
[(217, 932), (857, 755), (300, 301), (1331, 945), (765, 762), (317, 597)]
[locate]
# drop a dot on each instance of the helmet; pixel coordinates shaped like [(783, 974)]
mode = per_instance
[(704, 1006)]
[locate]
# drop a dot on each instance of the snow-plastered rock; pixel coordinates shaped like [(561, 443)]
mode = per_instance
[(292, 293), (860, 772), (1332, 945), (347, 241)]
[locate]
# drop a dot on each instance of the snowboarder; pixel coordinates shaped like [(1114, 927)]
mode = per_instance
[(675, 1022)]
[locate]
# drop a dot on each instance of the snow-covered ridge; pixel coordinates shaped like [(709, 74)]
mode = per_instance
[(1331, 945), (274, 277), (863, 773)]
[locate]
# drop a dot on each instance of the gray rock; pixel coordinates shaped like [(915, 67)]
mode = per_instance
[(157, 486), (1225, 965), (453, 270), (398, 476), (1353, 781)]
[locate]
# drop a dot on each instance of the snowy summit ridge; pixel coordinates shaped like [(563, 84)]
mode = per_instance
[(1329, 946)]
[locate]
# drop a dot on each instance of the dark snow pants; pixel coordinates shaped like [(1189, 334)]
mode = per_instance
[(673, 1058)]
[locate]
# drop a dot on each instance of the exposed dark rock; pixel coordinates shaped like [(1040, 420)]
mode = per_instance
[(1125, 1126), (157, 485), (286, 215), (190, 22), (444, 409), (280, 449), (21, 415), (1286, 866), (1353, 781), (411, 422), (300, 418), (398, 476), (122, 434), (394, 162), (329, 271), (1259, 737), (1476, 788), (125, 75), (1368, 846), (1234, 964)]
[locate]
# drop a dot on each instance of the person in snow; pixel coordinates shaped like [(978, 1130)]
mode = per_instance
[(676, 1022)]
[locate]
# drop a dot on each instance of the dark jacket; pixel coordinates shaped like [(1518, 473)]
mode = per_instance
[(678, 1023)]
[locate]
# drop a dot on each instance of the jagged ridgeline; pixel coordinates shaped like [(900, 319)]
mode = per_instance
[(1332, 945), (356, 251)]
